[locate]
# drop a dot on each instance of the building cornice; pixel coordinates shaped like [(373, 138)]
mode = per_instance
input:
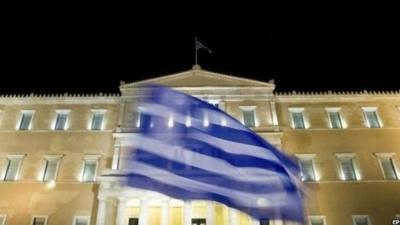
[(67, 98), (339, 96)]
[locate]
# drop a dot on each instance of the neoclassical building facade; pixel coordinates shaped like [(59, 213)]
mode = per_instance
[(57, 151)]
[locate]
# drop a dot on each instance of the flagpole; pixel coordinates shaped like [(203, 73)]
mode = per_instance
[(195, 51)]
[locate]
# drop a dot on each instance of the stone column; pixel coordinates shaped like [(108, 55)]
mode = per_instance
[(233, 219), (101, 211), (165, 212), (187, 213), (121, 211), (143, 213), (210, 213)]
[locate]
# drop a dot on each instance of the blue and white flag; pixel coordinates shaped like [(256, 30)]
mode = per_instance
[(190, 150)]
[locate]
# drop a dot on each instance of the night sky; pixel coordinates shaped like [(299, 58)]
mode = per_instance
[(91, 59)]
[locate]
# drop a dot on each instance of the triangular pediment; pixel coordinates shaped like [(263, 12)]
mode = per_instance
[(200, 78)]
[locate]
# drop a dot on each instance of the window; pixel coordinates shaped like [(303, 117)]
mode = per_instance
[(142, 119), (346, 164), (371, 117), (61, 119), (89, 168), (264, 222), (2, 219), (81, 220), (335, 119), (51, 168), (317, 220), (97, 119), (13, 166), (39, 220), (249, 116), (297, 115), (361, 220), (26, 118), (133, 221), (307, 167), (199, 221), (388, 166)]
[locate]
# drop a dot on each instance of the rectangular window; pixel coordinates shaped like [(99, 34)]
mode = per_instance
[(12, 168), (317, 220), (81, 220), (361, 220), (26, 118), (39, 220), (61, 120), (199, 221), (307, 169), (264, 222), (297, 115), (50, 169), (334, 118), (388, 167), (133, 221), (142, 119), (371, 117), (89, 170), (249, 119), (347, 168), (2, 219), (97, 119)]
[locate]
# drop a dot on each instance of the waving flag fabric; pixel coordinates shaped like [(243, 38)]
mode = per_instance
[(190, 150)]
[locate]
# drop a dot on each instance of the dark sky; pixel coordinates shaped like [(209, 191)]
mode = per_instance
[(85, 58)]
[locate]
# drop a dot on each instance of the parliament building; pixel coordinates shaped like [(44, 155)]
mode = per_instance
[(57, 150)]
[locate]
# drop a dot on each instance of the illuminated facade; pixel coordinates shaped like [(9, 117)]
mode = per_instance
[(55, 151)]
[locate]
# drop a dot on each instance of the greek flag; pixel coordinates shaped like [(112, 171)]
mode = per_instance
[(190, 150)]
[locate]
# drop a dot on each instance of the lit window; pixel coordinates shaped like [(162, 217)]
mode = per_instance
[(97, 119), (39, 220), (317, 220), (13, 166), (297, 115), (334, 118), (2, 219), (199, 221), (51, 169), (142, 119), (26, 118), (347, 169), (249, 116), (133, 221), (89, 170), (81, 220), (361, 220), (61, 119), (388, 166), (307, 168), (371, 117)]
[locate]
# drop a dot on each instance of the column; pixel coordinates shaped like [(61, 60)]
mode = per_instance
[(116, 155), (254, 221), (233, 219), (143, 212), (165, 212), (187, 213), (274, 117), (210, 213), (121, 211), (101, 211)]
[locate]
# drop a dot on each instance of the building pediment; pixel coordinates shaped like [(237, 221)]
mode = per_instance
[(198, 82)]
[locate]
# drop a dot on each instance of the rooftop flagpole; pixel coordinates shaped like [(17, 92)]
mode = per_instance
[(198, 45)]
